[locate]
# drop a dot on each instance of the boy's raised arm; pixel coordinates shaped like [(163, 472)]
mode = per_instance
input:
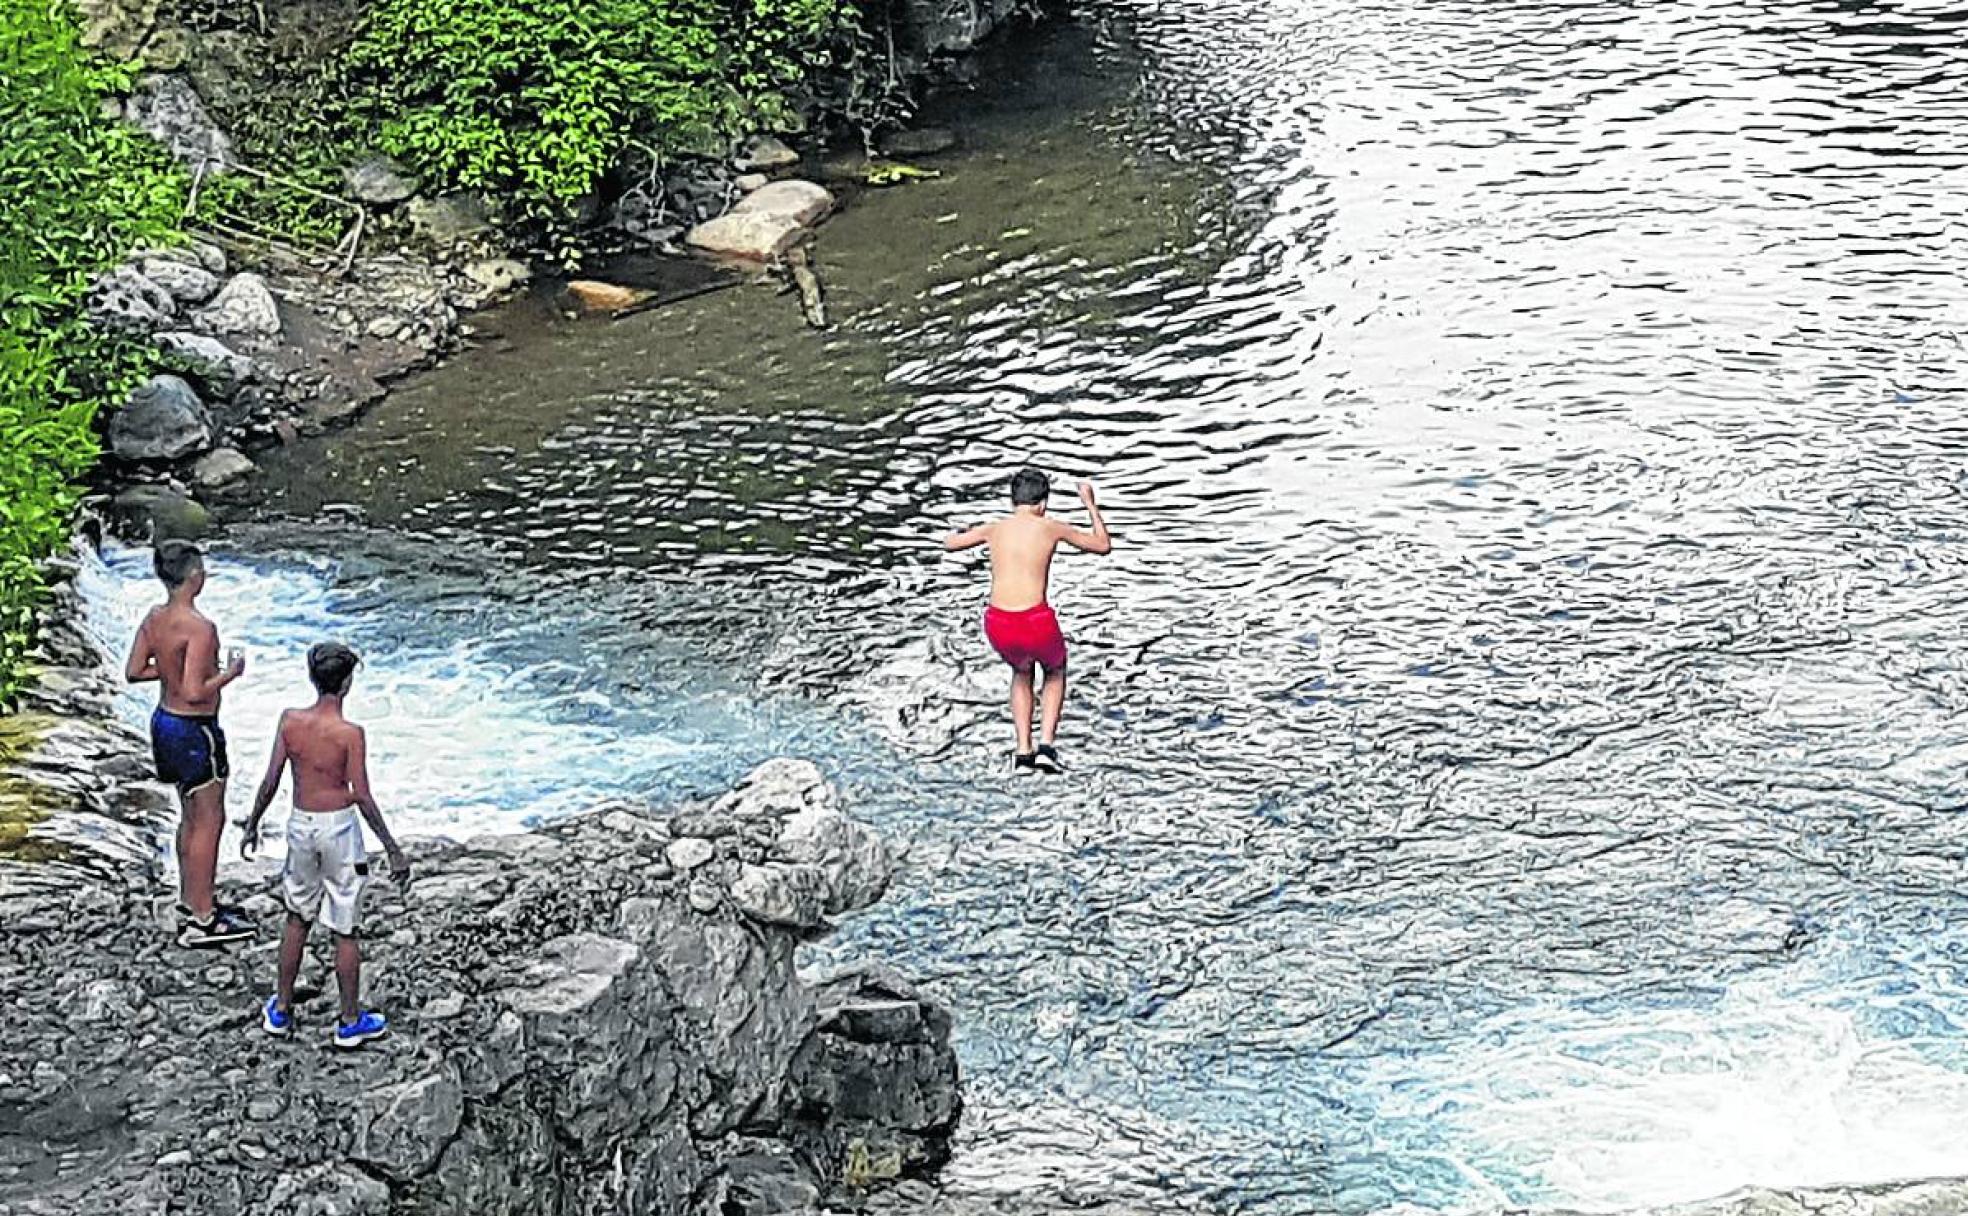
[(970, 538), (1096, 540)]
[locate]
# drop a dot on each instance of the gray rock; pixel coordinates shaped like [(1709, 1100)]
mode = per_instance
[(329, 1190), (245, 305), (379, 181), (749, 182), (764, 153), (498, 275), (160, 513), (851, 856), (688, 852), (125, 299), (169, 110), (919, 141), (449, 219), (186, 283), (162, 420), (951, 27), (765, 223), (408, 1125), (780, 894), (218, 365), (221, 467)]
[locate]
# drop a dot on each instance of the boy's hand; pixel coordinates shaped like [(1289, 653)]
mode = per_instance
[(235, 663), (1086, 494), (399, 869), (249, 843)]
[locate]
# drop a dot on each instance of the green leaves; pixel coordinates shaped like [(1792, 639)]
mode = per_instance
[(81, 190), (537, 99)]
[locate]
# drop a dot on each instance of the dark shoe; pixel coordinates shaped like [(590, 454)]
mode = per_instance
[(1049, 755), (221, 930), (220, 906), (1025, 762)]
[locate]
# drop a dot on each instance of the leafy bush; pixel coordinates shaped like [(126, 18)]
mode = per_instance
[(537, 99), (81, 190)]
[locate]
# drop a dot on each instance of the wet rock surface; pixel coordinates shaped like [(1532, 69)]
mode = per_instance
[(572, 1032), (162, 420)]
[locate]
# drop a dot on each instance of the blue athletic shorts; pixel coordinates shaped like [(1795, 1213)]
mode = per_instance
[(189, 749)]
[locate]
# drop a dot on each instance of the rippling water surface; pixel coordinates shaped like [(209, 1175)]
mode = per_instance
[(1516, 746)]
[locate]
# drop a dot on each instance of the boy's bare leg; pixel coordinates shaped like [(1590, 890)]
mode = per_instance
[(198, 847), (293, 939), (1053, 701), (1021, 709), (348, 975)]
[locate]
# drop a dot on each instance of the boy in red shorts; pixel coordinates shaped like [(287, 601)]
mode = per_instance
[(1018, 623)]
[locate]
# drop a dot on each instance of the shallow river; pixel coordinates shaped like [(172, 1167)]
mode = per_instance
[(1516, 747)]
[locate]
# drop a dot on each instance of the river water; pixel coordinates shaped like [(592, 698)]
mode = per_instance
[(1515, 746)]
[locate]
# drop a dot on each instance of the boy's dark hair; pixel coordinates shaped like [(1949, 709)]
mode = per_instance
[(1029, 487), (330, 665), (175, 562)]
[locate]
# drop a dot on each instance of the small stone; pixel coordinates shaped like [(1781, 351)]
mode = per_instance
[(385, 326), (222, 368), (498, 275), (749, 182), (689, 852), (220, 976), (592, 295), (765, 153), (245, 305), (443, 1008), (175, 1158), (252, 1151), (265, 1108), (379, 181), (162, 420), (703, 897), (221, 467)]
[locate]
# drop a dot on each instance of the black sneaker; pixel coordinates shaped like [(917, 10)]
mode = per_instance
[(1025, 762), (221, 930), (231, 911), (1050, 754)]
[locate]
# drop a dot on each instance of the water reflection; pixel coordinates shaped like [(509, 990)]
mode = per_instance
[(1516, 745)]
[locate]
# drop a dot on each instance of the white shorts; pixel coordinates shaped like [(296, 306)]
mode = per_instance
[(326, 863)]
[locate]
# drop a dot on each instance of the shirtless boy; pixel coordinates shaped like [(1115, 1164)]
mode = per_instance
[(1019, 624), (326, 864), (177, 647)]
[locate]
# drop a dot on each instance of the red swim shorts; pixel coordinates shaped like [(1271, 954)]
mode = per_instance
[(1026, 637)]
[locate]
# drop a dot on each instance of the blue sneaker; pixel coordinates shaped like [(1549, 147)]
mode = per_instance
[(274, 1020), (368, 1025)]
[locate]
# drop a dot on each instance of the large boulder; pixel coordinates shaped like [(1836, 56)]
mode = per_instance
[(168, 109), (245, 305), (379, 181), (162, 420), (160, 513), (765, 223)]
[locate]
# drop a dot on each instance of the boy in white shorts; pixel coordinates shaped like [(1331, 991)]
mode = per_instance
[(326, 864)]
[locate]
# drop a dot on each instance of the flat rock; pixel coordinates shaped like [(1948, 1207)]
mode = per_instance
[(689, 852), (161, 513), (221, 467), (499, 275), (245, 305), (379, 181), (764, 153), (162, 420), (593, 295), (765, 223)]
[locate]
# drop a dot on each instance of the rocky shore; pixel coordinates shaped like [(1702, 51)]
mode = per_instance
[(603, 1016)]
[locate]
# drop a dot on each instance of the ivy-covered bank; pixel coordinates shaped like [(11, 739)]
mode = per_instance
[(81, 191), (558, 126)]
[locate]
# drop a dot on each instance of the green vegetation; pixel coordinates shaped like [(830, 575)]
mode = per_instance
[(81, 190)]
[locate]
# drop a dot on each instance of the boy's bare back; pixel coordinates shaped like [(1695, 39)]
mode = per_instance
[(327, 754), (1022, 546)]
